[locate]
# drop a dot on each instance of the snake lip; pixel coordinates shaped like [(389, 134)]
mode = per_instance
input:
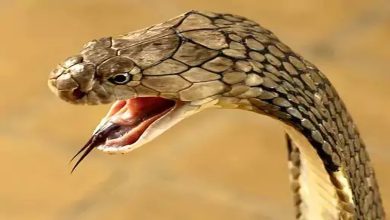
[(125, 123)]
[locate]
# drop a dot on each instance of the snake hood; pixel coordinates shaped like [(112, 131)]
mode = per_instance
[(155, 76)]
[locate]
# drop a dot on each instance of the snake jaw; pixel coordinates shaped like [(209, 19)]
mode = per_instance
[(132, 123), (134, 116)]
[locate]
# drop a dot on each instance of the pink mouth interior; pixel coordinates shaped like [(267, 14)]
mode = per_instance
[(134, 116), (125, 123)]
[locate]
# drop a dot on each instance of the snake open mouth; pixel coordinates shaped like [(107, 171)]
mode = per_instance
[(125, 123)]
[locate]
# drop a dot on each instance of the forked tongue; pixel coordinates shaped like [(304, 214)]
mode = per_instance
[(124, 123)]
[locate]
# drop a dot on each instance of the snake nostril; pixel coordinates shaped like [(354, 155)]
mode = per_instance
[(78, 94)]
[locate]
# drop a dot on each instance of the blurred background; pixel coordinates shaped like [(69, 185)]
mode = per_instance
[(219, 164)]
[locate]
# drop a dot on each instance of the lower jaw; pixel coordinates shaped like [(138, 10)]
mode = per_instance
[(132, 136), (135, 132), (140, 133)]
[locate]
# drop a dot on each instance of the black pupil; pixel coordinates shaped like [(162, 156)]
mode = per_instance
[(120, 78)]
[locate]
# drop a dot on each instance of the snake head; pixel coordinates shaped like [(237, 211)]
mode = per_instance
[(156, 77)]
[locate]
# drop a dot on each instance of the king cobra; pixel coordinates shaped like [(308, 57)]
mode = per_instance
[(162, 74)]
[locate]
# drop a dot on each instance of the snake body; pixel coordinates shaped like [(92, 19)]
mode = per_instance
[(205, 59)]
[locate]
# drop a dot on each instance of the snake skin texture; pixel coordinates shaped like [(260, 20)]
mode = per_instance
[(205, 58)]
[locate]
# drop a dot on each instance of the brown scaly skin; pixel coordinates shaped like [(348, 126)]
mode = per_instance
[(229, 61)]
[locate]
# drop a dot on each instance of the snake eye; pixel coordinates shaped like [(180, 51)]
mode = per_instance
[(120, 78)]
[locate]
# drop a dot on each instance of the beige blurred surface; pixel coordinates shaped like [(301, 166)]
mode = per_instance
[(219, 164)]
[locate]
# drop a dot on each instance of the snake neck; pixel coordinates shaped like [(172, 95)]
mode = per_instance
[(263, 75), (315, 117)]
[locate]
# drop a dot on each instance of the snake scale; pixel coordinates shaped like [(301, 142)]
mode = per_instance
[(161, 74)]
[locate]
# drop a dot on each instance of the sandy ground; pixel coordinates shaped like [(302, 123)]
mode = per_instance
[(219, 164)]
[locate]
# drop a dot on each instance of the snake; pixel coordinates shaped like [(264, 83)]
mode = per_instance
[(157, 76)]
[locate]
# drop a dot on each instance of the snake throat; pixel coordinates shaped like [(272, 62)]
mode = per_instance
[(125, 123)]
